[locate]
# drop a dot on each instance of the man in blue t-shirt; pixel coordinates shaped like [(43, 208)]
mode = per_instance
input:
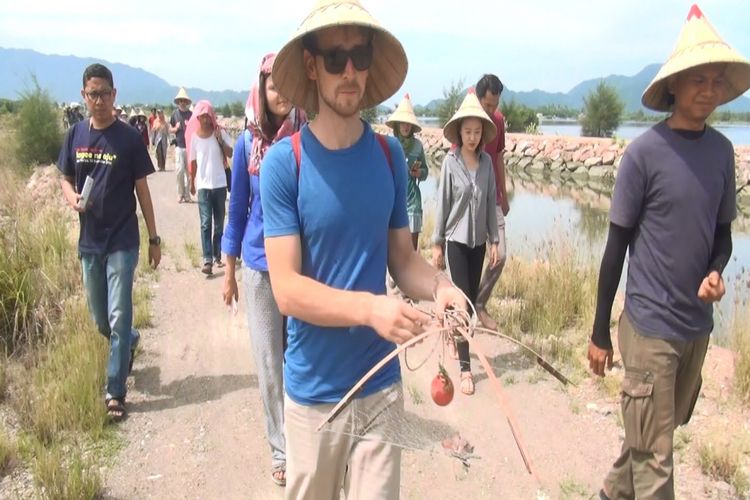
[(673, 204), (335, 216), (104, 160)]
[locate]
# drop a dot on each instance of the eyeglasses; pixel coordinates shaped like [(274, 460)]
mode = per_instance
[(335, 59), (95, 95)]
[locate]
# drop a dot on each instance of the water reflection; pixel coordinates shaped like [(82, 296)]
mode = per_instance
[(544, 209)]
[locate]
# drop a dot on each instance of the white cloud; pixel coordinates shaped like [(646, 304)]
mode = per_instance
[(548, 44)]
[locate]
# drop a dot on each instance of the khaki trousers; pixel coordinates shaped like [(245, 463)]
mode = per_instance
[(661, 385), (349, 453)]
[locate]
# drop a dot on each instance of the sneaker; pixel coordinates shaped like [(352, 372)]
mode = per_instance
[(486, 319), (207, 269)]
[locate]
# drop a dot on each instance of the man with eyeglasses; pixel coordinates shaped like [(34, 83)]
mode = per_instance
[(178, 125), (334, 205), (103, 161)]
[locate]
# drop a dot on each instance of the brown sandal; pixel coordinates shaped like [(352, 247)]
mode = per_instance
[(116, 409)]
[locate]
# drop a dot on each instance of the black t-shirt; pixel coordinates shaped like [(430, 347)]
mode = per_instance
[(115, 157), (180, 116)]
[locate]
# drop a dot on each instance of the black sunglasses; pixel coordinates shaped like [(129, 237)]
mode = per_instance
[(335, 59)]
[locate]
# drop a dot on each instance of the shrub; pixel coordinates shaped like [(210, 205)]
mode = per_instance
[(39, 136), (519, 117), (602, 111), (452, 97), (370, 115)]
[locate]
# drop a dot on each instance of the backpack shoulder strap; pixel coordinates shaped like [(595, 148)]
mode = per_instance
[(297, 150), (386, 149)]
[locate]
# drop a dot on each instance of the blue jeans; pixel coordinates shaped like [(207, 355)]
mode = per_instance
[(212, 203), (108, 280)]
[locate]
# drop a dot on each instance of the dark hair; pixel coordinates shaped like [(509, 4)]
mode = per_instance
[(97, 70), (489, 82), (460, 141)]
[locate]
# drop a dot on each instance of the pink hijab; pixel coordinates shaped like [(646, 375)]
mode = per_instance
[(193, 125), (262, 141)]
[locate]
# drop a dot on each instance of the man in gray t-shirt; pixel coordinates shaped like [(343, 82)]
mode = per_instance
[(672, 207)]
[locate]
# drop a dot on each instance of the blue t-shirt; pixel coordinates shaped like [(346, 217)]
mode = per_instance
[(244, 231), (342, 206), (115, 157), (673, 191)]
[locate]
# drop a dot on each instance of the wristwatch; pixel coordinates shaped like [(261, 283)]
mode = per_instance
[(156, 241)]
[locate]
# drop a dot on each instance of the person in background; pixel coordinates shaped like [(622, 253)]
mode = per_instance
[(178, 122), (113, 156), (404, 123), (208, 150), (672, 208), (270, 118), (489, 88), (160, 133), (465, 220), (141, 125)]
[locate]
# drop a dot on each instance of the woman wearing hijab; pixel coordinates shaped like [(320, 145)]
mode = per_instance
[(271, 117), (208, 149)]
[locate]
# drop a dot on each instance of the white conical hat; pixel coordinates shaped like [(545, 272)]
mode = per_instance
[(404, 114), (182, 94), (470, 108), (386, 74), (699, 44)]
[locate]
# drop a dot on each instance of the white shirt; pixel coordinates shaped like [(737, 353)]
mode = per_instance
[(209, 157)]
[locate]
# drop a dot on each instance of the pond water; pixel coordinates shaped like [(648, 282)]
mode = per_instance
[(739, 134), (544, 211)]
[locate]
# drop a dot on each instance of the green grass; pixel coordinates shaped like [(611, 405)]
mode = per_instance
[(193, 254), (142, 312), (570, 488), (47, 338), (62, 391), (415, 394), (62, 476), (8, 453), (682, 438), (3, 377), (549, 302)]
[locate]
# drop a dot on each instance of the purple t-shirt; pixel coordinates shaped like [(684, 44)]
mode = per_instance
[(673, 191)]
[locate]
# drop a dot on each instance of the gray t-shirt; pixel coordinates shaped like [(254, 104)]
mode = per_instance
[(673, 191)]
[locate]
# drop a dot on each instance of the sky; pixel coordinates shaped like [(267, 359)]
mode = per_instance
[(530, 44)]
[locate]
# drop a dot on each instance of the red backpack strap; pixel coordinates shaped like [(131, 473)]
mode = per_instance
[(297, 150), (386, 149)]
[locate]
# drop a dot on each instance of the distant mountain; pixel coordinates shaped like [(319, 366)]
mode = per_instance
[(630, 89), (61, 75)]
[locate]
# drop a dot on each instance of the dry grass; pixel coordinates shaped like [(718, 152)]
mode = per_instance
[(193, 254), (8, 454), (142, 312), (548, 302), (741, 339), (64, 476), (721, 457)]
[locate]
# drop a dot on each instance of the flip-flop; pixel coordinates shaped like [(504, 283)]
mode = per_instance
[(279, 481), (116, 409)]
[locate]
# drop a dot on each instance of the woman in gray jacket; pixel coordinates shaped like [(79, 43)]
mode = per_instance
[(466, 219)]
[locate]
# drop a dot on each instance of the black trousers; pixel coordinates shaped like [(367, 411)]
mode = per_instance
[(465, 264)]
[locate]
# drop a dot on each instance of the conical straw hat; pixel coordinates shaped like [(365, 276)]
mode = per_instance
[(386, 74), (699, 44), (470, 108), (182, 94), (404, 114)]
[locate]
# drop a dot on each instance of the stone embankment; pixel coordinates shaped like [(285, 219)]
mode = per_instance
[(581, 157)]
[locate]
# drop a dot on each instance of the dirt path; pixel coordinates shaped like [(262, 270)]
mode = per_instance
[(196, 420)]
